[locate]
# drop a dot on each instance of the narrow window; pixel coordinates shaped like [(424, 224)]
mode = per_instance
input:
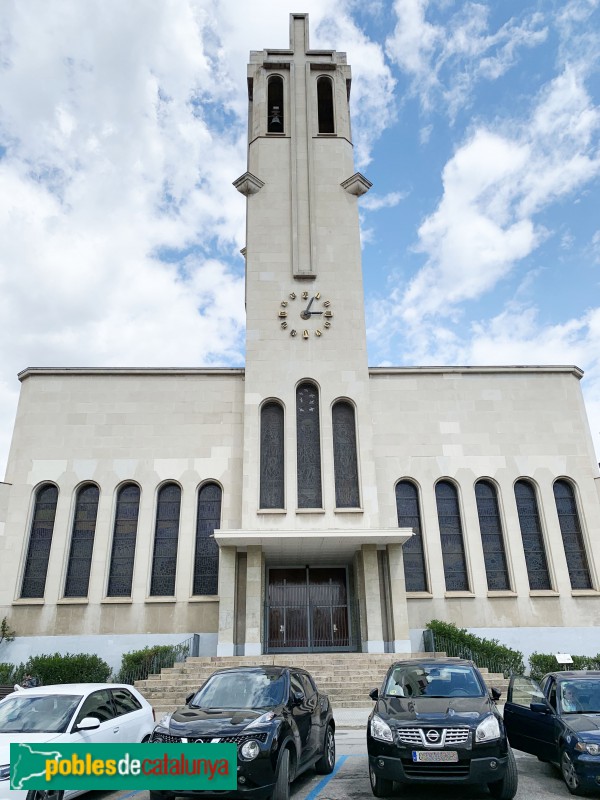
[(345, 461), (570, 527), (453, 546), (308, 446), (82, 541), (409, 516), (271, 456), (40, 539), (164, 560), (531, 533), (492, 537), (206, 559), (123, 545), (325, 104), (275, 105)]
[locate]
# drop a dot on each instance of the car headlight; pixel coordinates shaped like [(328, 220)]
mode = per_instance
[(250, 750), (264, 718), (583, 747), (488, 729), (4, 772), (380, 729)]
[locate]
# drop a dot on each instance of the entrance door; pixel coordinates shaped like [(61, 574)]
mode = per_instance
[(307, 609)]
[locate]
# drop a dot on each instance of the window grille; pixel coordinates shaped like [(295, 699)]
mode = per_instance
[(206, 558), (325, 105), (164, 560), (124, 538), (531, 533), (409, 516), (492, 537), (570, 528), (40, 539), (308, 446), (82, 541), (345, 462), (451, 534), (272, 456)]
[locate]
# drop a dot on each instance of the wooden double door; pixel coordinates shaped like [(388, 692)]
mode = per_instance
[(307, 610)]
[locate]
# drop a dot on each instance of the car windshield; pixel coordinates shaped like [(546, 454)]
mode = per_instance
[(242, 690), (44, 713), (434, 680), (580, 696)]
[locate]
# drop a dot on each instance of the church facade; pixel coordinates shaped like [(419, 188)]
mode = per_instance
[(307, 501)]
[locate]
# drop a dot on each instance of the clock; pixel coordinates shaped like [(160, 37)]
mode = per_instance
[(305, 315)]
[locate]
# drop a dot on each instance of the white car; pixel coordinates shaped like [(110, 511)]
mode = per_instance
[(68, 714)]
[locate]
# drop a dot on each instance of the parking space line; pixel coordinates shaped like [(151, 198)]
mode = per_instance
[(323, 783)]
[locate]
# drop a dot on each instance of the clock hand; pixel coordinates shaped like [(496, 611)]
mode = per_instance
[(306, 313)]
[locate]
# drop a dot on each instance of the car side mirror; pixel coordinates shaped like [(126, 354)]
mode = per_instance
[(541, 708), (297, 698), (374, 694), (189, 698), (496, 693), (87, 724)]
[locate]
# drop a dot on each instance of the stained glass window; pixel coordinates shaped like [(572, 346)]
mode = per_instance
[(531, 533), (453, 546), (164, 560), (492, 537), (123, 546), (40, 539), (206, 558), (308, 446), (82, 541), (409, 516), (570, 527), (345, 462), (271, 456)]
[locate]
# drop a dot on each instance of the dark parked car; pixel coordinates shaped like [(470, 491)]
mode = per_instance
[(280, 722), (559, 721), (435, 721)]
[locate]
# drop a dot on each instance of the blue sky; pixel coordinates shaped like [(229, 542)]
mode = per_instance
[(123, 125)]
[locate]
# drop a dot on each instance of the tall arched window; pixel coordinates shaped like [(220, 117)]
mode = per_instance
[(531, 533), (570, 527), (453, 546), (325, 105), (308, 443), (40, 539), (123, 545), (206, 559), (271, 456), (82, 541), (409, 516), (492, 537), (345, 459), (275, 104), (164, 560)]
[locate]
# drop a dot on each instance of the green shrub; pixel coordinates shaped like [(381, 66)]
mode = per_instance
[(68, 668), (138, 664), (7, 673), (488, 653), (542, 663)]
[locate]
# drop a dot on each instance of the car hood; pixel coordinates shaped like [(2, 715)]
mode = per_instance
[(188, 721), (434, 710), (6, 739), (584, 723)]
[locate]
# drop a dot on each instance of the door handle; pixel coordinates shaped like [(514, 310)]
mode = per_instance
[(115, 730), (282, 629)]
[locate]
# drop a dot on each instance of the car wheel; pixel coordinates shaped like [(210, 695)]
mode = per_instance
[(158, 796), (326, 763), (282, 784), (570, 776), (45, 795), (381, 787), (506, 789)]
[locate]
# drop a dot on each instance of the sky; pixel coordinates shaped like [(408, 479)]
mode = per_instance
[(123, 125)]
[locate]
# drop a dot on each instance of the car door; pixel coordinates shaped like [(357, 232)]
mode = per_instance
[(301, 715), (533, 731), (134, 720), (97, 704), (312, 703)]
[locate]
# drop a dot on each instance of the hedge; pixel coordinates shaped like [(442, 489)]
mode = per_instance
[(138, 664), (488, 653), (67, 668), (542, 663)]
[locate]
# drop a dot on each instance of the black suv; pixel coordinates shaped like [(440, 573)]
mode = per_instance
[(281, 724), (434, 721)]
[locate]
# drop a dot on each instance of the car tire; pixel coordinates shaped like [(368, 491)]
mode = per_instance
[(325, 765), (282, 784), (44, 795), (570, 776), (381, 787), (506, 789), (158, 796)]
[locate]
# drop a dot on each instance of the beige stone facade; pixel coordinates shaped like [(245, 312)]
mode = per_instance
[(197, 427)]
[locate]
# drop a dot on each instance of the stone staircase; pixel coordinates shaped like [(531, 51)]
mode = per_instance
[(346, 677)]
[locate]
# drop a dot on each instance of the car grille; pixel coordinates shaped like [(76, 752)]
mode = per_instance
[(238, 739), (438, 771), (446, 736)]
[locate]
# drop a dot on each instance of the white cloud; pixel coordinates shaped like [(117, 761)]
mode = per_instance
[(376, 202)]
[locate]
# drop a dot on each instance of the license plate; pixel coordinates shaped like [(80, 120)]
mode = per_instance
[(435, 755)]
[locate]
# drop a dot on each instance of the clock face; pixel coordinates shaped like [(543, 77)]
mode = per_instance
[(305, 315)]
